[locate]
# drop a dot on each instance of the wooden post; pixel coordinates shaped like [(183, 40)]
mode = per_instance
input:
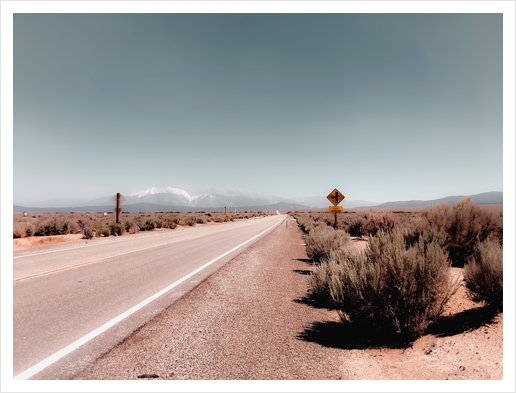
[(117, 207), (335, 223)]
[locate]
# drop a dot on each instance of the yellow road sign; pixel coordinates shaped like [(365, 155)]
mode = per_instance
[(335, 197), (335, 209)]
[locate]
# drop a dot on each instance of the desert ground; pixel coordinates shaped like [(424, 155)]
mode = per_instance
[(466, 345)]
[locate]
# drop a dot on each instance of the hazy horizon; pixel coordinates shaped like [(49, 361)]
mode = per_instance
[(384, 107), (41, 203)]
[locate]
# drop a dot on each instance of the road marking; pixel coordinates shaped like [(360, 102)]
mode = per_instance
[(114, 240), (30, 372), (93, 261)]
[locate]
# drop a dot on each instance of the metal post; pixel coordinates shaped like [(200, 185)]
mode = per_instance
[(335, 223)]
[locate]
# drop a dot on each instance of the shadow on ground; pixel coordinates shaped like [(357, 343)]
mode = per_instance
[(462, 322), (305, 260), (344, 335)]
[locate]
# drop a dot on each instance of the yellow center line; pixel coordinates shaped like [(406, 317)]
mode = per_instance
[(58, 270), (87, 263)]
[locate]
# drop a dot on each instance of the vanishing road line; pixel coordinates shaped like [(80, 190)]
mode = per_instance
[(83, 340)]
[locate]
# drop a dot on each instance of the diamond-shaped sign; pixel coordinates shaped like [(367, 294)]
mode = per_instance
[(122, 199), (335, 197)]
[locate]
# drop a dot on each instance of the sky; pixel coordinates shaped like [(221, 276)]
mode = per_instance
[(383, 107)]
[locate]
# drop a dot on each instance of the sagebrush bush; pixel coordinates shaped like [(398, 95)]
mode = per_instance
[(116, 229), (56, 226), (321, 241), (483, 273), (328, 273), (466, 225), (87, 232), (103, 231), (388, 289), (19, 230), (469, 226), (379, 221), (355, 224), (189, 221)]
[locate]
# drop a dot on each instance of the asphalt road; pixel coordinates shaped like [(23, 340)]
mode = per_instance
[(73, 303)]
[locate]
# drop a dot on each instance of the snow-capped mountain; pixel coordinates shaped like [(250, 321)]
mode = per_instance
[(162, 190), (200, 198)]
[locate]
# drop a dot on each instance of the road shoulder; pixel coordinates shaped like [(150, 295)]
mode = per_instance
[(241, 323)]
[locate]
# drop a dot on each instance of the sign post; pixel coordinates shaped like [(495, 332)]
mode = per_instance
[(335, 197), (118, 199)]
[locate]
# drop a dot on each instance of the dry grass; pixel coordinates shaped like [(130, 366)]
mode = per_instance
[(100, 224)]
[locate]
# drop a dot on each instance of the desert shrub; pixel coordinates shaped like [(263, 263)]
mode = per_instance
[(379, 221), (18, 230), (469, 225), (321, 241), (103, 231), (413, 228), (116, 229), (355, 225), (325, 274), (146, 224), (87, 232), (46, 228), (388, 289), (466, 226), (56, 226), (189, 221), (134, 229), (169, 223), (219, 218), (483, 273)]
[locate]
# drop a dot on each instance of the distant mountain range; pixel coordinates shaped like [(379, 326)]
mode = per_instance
[(164, 199), (486, 198)]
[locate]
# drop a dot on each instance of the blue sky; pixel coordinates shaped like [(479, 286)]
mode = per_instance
[(382, 106)]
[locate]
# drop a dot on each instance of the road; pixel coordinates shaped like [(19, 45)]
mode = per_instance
[(73, 303)]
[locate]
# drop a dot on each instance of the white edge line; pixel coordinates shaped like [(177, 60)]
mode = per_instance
[(83, 340)]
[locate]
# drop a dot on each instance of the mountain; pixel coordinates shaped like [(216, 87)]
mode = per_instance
[(64, 202), (175, 199), (486, 198)]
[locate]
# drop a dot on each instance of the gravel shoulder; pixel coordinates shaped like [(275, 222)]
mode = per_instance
[(248, 321)]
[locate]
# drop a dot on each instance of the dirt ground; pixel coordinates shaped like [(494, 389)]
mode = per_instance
[(34, 241), (468, 344)]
